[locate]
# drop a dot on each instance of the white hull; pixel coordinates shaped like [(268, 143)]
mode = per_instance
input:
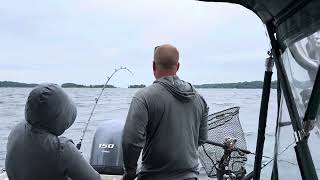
[(3, 176)]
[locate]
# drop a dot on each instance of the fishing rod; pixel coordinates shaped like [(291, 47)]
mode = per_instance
[(224, 146), (229, 146), (249, 152), (97, 100)]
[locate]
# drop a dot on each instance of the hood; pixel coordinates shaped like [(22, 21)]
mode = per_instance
[(50, 108), (180, 89)]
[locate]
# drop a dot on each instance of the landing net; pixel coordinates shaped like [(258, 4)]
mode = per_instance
[(222, 125)]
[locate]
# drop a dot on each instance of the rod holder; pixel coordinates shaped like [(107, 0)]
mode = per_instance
[(263, 116), (269, 62)]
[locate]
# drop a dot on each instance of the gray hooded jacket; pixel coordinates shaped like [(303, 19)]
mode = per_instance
[(34, 150), (169, 121)]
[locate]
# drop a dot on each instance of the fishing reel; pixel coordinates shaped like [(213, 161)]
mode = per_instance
[(221, 156), (222, 167)]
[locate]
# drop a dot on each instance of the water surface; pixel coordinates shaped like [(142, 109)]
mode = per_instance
[(114, 105)]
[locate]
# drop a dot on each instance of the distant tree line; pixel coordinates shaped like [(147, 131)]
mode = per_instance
[(65, 85), (137, 86), (238, 85), (73, 85), (15, 84)]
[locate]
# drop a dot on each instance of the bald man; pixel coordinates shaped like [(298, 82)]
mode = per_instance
[(168, 120)]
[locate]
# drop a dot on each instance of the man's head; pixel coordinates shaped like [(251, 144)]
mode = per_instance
[(314, 39), (166, 61)]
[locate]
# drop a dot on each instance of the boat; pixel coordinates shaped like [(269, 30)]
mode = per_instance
[(293, 28), (106, 151), (3, 176)]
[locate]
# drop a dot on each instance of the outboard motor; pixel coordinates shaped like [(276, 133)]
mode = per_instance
[(106, 152)]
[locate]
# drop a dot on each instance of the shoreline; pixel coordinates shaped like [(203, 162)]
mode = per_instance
[(236, 85)]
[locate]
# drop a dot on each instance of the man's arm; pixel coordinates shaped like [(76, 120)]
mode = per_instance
[(74, 164), (133, 137), (203, 131)]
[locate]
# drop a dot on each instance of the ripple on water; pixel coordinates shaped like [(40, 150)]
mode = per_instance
[(249, 133), (222, 104)]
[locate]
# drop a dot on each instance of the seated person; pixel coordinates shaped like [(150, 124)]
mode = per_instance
[(34, 150), (313, 46)]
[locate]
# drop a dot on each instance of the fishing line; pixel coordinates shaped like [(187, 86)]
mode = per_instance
[(285, 149), (249, 152), (97, 100), (117, 109), (271, 158)]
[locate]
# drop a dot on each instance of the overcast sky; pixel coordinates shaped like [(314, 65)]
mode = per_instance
[(83, 41)]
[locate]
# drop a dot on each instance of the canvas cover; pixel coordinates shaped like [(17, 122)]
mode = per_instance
[(293, 19)]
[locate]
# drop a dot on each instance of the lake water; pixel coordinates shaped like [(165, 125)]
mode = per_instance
[(114, 105)]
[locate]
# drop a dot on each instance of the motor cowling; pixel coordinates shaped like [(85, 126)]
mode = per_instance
[(106, 153)]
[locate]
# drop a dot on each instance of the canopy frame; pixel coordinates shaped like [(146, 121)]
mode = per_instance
[(286, 24), (305, 162)]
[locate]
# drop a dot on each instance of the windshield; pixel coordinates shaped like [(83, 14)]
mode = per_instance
[(301, 61)]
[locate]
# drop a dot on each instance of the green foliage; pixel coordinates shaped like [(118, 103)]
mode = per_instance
[(15, 84), (238, 85), (65, 85), (137, 86), (73, 85)]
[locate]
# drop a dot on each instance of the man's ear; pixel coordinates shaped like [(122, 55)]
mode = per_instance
[(154, 66), (178, 66)]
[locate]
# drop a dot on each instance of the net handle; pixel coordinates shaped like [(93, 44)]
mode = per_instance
[(225, 147)]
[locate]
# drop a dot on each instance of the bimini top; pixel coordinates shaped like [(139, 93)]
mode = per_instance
[(293, 19)]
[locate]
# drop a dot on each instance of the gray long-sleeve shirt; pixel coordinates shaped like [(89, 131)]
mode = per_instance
[(169, 121)]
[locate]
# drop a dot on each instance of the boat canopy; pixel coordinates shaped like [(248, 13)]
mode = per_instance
[(292, 19), (293, 27)]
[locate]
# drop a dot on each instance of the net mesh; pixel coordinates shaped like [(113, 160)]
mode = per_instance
[(222, 125)]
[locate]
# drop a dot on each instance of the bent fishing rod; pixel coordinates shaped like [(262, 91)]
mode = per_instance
[(97, 100)]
